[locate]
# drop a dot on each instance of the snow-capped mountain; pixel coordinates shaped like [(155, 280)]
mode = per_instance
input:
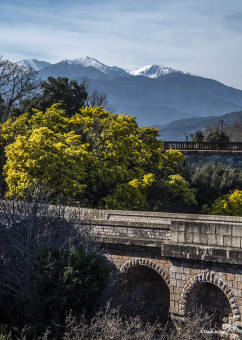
[(155, 94), (35, 64), (81, 67), (153, 71), (91, 62), (91, 65)]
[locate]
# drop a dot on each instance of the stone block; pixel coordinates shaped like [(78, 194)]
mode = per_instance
[(172, 304), (223, 229), (205, 228), (180, 270), (178, 292), (196, 238), (179, 226), (173, 282), (173, 275), (193, 227), (173, 310), (174, 236), (237, 292), (203, 238), (227, 241), (237, 230), (235, 242), (238, 277), (189, 237), (173, 269), (219, 240), (180, 283), (212, 240), (235, 256), (181, 237), (187, 270), (218, 253), (230, 277)]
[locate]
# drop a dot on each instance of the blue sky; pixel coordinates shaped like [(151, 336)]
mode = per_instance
[(199, 36)]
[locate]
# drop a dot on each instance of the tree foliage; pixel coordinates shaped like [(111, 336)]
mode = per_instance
[(234, 130), (230, 205), (216, 136), (69, 94), (100, 159), (198, 136), (177, 186), (212, 135), (215, 180), (55, 160)]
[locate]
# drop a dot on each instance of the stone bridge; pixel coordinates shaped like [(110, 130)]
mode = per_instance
[(191, 261)]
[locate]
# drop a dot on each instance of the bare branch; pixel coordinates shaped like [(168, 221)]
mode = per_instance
[(17, 82)]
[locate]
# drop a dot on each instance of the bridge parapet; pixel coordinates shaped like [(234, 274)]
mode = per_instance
[(205, 241), (188, 236), (129, 227)]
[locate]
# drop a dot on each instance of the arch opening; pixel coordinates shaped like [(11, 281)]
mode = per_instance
[(211, 299), (143, 292)]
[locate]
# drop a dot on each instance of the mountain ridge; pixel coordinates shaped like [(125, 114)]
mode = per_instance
[(151, 71), (155, 94), (179, 128)]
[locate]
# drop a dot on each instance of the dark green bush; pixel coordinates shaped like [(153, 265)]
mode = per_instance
[(49, 266), (69, 281), (215, 180)]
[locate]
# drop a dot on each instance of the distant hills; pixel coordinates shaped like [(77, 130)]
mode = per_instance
[(176, 130), (155, 94)]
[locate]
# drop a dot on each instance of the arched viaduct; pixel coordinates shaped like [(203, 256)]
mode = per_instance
[(197, 259)]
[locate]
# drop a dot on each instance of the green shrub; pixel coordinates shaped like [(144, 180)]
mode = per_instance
[(49, 265), (230, 205), (215, 180), (69, 281)]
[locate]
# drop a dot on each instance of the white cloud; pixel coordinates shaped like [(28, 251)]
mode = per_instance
[(202, 37)]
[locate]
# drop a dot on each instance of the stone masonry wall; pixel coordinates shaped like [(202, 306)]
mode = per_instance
[(182, 277), (217, 241), (185, 276), (194, 254)]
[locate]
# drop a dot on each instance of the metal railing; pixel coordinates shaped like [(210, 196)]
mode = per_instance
[(236, 146)]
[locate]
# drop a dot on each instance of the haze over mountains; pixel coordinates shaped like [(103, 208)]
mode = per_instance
[(155, 94)]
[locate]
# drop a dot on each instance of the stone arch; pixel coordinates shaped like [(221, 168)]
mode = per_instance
[(144, 290), (209, 277), (148, 263)]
